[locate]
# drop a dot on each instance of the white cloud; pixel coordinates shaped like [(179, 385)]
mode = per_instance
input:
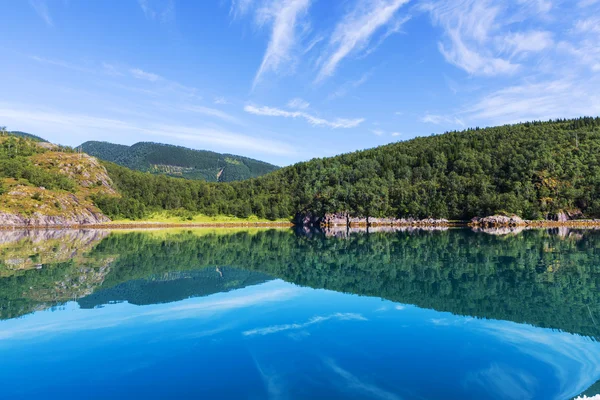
[(315, 320), (469, 27), (587, 3), (345, 88), (148, 12), (316, 121), (140, 74), (396, 134), (377, 132), (110, 69), (60, 63), (211, 112), (41, 8), (588, 25), (528, 42), (55, 123), (239, 7), (298, 103), (442, 119), (283, 15), (355, 31), (538, 101), (220, 100), (540, 6), (583, 42), (163, 10)]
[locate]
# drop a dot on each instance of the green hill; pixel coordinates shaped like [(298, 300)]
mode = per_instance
[(534, 170), (27, 136), (179, 161)]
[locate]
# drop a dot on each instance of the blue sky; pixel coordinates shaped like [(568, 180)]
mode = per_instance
[(289, 80)]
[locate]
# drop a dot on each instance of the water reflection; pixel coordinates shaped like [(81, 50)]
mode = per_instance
[(441, 314)]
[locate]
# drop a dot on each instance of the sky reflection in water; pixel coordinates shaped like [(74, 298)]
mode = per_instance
[(277, 340), (154, 317)]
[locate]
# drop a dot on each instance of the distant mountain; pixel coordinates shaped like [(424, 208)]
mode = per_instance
[(175, 286), (179, 161), (27, 136)]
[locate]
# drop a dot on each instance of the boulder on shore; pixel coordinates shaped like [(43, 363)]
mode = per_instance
[(498, 220)]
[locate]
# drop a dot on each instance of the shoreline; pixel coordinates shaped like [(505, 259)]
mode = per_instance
[(154, 225), (413, 224)]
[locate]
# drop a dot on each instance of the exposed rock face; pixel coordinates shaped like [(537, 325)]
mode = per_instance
[(339, 219), (565, 216), (83, 217), (343, 220), (497, 220), (87, 171)]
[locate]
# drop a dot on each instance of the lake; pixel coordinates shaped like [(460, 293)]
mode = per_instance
[(279, 314)]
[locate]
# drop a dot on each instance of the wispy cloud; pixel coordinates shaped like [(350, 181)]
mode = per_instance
[(221, 100), (355, 30), (283, 16), (162, 10), (313, 321), (587, 3), (538, 101), (350, 85), (316, 121), (582, 45), (211, 112), (110, 69), (60, 63), (239, 7), (298, 103), (528, 42), (442, 119), (469, 26), (354, 384), (540, 6), (141, 74), (54, 122), (41, 8)]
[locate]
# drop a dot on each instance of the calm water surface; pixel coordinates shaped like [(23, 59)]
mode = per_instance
[(273, 314)]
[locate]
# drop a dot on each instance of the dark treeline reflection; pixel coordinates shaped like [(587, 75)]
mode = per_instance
[(537, 277)]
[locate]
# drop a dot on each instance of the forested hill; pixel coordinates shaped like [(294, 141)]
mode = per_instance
[(179, 161), (27, 136), (532, 169)]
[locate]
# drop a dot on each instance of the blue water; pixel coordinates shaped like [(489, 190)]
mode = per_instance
[(274, 339)]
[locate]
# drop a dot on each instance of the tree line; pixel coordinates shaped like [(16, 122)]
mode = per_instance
[(533, 169), (536, 277)]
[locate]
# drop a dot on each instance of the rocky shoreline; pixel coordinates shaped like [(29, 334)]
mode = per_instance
[(83, 218), (93, 219)]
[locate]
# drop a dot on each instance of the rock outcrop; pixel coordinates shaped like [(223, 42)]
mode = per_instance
[(565, 216), (82, 217), (343, 220), (497, 221)]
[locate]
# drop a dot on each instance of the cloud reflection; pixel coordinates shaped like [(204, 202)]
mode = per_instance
[(315, 320)]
